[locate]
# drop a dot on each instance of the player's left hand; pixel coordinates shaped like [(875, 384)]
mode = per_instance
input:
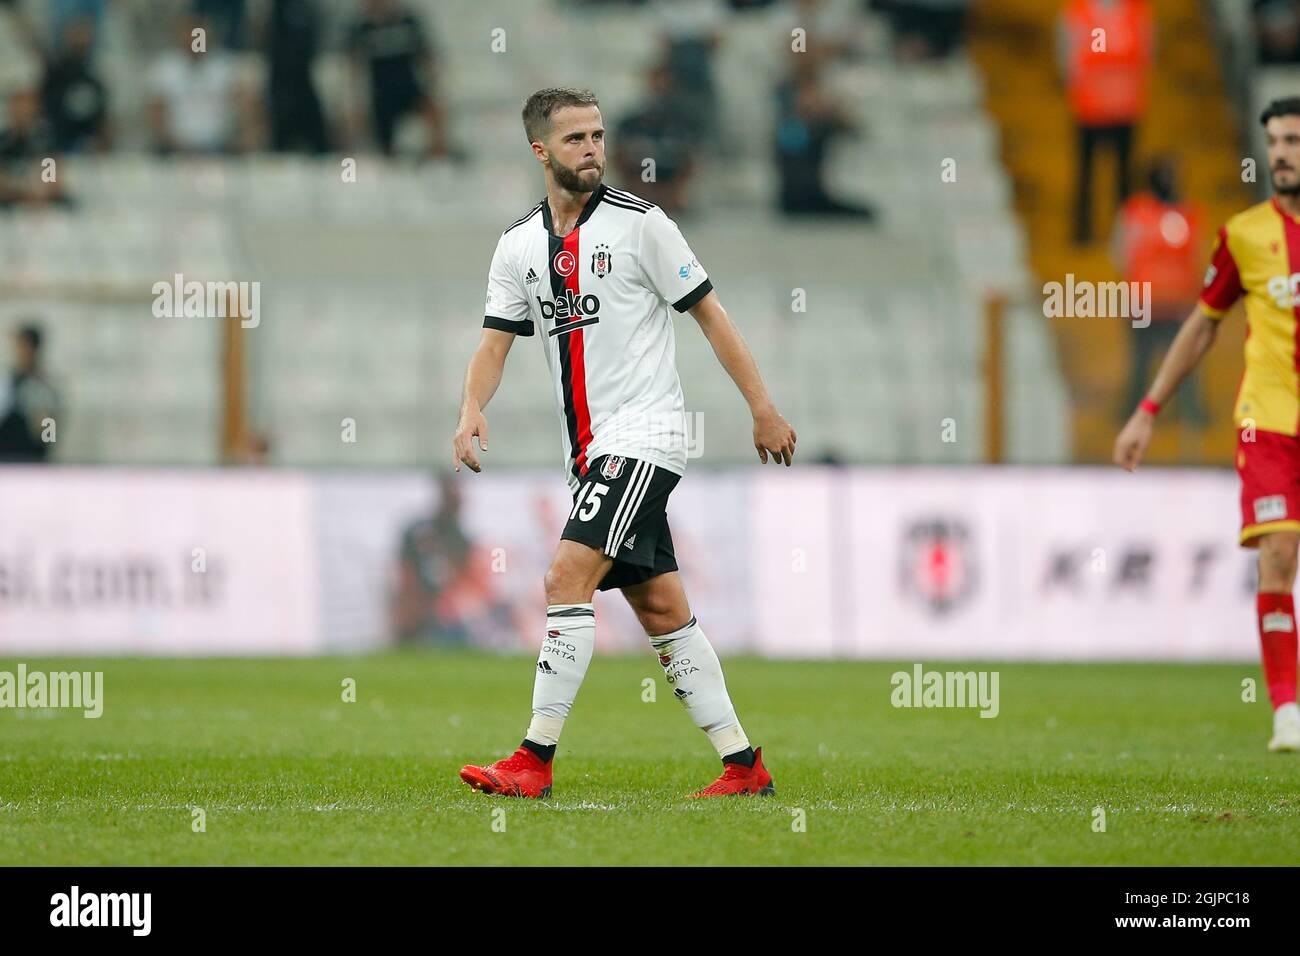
[(773, 436)]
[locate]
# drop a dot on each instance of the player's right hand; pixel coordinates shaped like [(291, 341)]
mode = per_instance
[(773, 436), (471, 424), (1131, 444)]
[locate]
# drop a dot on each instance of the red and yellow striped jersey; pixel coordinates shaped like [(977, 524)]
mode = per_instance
[(1257, 255)]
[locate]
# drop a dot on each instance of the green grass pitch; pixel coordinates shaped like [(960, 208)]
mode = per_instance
[(286, 772)]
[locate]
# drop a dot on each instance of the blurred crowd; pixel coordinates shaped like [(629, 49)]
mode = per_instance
[(202, 96), (201, 101), (677, 121)]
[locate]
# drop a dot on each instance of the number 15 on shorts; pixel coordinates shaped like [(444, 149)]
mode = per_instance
[(589, 501)]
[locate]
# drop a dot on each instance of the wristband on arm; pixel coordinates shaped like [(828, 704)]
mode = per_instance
[(1150, 407)]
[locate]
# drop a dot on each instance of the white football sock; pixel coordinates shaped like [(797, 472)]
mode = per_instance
[(561, 666), (695, 675)]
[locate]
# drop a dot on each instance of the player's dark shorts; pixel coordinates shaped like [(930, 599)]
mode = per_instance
[(621, 509), (1269, 467)]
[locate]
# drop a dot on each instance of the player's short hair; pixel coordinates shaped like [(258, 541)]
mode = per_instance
[(539, 107), (1286, 106)]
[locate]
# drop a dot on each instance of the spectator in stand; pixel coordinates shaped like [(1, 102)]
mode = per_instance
[(228, 19), (652, 132), (925, 29), (1106, 78), (26, 142), (1277, 31), (808, 120), (74, 97), (830, 31), (27, 402), (197, 104), (292, 41), (388, 43), (1159, 240), (691, 33), (63, 12)]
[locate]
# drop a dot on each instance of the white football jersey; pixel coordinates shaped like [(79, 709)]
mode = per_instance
[(601, 297)]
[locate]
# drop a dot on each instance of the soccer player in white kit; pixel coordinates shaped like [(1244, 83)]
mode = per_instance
[(598, 275)]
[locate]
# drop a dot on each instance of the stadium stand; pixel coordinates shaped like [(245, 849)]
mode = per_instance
[(1190, 117), (372, 291)]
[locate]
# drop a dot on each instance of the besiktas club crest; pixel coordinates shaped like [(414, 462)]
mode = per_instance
[(602, 261), (613, 467), (937, 563)]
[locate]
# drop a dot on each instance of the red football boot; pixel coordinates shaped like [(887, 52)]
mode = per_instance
[(738, 779), (522, 774)]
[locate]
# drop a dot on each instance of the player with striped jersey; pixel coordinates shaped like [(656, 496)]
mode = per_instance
[(1256, 258), (597, 274)]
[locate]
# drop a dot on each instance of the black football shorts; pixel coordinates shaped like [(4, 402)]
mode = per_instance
[(621, 509)]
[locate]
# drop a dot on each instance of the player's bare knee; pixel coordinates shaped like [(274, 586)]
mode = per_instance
[(574, 574), (1277, 572), (1277, 562), (657, 622), (654, 612), (562, 584)]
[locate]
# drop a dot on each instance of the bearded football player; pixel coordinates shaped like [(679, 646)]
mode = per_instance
[(1256, 258), (597, 274)]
